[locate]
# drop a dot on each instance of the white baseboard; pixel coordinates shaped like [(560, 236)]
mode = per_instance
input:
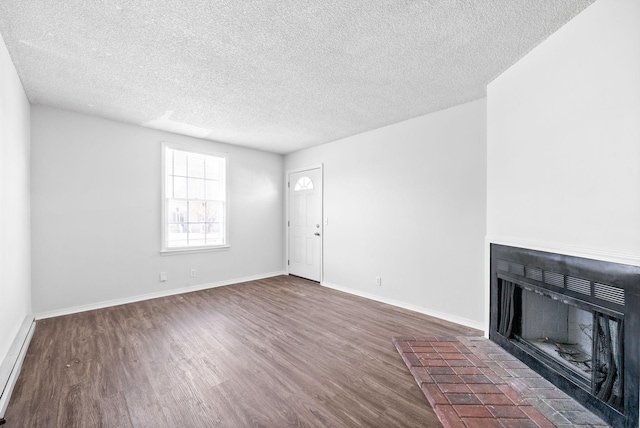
[(426, 311), (10, 367), (141, 297)]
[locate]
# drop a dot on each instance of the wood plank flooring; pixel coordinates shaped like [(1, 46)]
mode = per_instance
[(279, 352)]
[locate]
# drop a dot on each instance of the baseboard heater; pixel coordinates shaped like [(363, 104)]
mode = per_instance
[(10, 368)]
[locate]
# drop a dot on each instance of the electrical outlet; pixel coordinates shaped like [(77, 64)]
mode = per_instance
[(163, 276), (378, 280), (193, 273)]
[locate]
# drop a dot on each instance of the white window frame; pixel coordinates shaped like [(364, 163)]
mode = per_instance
[(198, 150)]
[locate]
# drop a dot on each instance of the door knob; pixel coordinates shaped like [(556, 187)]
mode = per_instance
[(317, 233)]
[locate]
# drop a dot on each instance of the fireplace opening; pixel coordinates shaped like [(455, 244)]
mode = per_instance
[(575, 321), (575, 337)]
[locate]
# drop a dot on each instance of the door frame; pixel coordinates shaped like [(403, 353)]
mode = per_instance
[(287, 185)]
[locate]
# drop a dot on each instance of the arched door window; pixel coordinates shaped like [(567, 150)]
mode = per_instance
[(303, 183)]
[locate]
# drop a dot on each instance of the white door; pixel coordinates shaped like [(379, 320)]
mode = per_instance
[(305, 223)]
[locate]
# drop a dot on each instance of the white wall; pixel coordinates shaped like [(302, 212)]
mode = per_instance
[(15, 241), (564, 139), (407, 203), (96, 214)]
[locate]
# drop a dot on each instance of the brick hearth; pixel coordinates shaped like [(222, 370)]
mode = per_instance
[(472, 382)]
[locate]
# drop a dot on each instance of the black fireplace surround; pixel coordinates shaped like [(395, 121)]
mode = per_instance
[(607, 293)]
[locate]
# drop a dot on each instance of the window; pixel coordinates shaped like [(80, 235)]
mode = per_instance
[(194, 200), (303, 183)]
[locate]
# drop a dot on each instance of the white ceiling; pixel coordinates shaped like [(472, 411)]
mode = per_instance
[(273, 75)]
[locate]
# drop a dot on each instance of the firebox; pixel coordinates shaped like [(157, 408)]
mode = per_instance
[(573, 320)]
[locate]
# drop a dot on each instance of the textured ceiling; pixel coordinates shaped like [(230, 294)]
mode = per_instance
[(273, 75)]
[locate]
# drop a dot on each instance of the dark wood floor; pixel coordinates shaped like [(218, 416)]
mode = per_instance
[(280, 352)]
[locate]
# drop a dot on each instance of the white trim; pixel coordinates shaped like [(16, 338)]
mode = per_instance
[(569, 250), (437, 314), (287, 184), (10, 368), (306, 168), (149, 296), (487, 287)]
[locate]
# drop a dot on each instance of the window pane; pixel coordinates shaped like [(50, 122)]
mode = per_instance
[(215, 212), (196, 233), (196, 166), (303, 183), (212, 190), (180, 163), (195, 188), (213, 233), (196, 212), (212, 167), (177, 242), (177, 212), (180, 188), (177, 225)]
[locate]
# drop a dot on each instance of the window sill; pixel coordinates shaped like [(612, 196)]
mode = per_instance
[(172, 252)]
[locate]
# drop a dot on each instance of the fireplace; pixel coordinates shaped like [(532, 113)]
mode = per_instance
[(573, 320)]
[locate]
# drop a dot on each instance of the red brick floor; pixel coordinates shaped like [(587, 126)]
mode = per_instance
[(469, 388)]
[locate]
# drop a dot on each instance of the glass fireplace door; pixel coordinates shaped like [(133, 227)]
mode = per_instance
[(577, 337)]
